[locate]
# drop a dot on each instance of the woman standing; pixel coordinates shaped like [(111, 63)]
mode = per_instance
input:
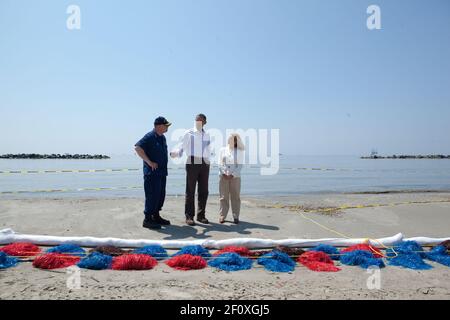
[(230, 164)]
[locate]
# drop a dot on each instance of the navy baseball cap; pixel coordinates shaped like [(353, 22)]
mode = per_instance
[(162, 120)]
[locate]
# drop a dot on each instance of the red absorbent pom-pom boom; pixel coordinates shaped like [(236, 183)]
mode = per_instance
[(364, 247), (243, 251), (318, 261), (21, 249), (134, 262), (187, 262), (55, 261)]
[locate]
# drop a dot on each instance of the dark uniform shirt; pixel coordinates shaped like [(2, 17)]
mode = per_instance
[(155, 147)]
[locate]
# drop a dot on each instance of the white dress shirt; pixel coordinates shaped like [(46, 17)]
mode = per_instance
[(195, 143)]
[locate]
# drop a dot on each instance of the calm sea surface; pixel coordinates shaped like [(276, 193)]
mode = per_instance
[(297, 175)]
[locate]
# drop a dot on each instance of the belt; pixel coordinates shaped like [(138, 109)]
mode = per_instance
[(197, 160)]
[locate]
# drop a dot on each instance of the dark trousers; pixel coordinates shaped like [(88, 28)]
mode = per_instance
[(196, 173), (155, 194)]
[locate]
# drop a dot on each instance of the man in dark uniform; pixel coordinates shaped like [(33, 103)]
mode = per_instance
[(152, 148)]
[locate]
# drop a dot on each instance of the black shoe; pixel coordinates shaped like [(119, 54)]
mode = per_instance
[(162, 221), (190, 222), (151, 224), (203, 220), (236, 221)]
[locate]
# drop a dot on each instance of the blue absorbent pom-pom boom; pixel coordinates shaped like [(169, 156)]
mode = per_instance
[(96, 261), (68, 249), (410, 261), (277, 261), (439, 254), (193, 250), (407, 247), (364, 259), (154, 251), (7, 261), (408, 254), (330, 250), (231, 262)]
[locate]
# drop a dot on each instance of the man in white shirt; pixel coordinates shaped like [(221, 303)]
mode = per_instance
[(196, 144)]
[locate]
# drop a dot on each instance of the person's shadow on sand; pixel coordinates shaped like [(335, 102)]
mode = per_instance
[(182, 232), (175, 232)]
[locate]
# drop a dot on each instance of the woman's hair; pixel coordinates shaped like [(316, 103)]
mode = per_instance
[(240, 145)]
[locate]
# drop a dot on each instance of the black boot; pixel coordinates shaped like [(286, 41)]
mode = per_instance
[(162, 221), (151, 223)]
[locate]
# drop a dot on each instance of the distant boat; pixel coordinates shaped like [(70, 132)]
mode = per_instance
[(374, 153)]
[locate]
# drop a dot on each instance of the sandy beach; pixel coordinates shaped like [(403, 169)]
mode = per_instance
[(270, 218)]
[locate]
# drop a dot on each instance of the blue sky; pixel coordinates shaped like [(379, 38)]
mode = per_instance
[(310, 68)]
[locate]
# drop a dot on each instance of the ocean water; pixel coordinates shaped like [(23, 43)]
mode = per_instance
[(297, 175)]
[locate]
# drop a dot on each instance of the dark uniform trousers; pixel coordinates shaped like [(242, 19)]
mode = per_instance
[(155, 194), (196, 172)]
